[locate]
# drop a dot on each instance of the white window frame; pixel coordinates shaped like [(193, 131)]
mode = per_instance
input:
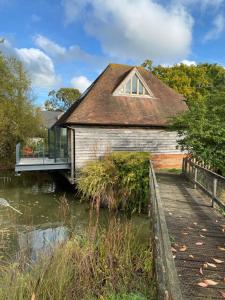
[(133, 72)]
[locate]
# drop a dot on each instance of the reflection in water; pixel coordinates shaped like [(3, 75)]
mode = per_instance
[(36, 241), (40, 227)]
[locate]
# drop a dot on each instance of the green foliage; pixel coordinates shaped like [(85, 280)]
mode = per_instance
[(202, 129), (61, 99), (193, 82), (19, 119), (111, 264), (119, 180)]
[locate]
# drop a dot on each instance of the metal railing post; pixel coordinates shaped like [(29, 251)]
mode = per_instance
[(214, 190), (17, 153), (43, 153)]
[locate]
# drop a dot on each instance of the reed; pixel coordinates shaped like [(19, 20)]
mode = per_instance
[(114, 265)]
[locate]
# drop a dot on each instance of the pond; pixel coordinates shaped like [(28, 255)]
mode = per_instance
[(40, 226)]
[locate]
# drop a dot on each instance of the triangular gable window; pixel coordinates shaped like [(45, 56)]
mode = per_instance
[(133, 85)]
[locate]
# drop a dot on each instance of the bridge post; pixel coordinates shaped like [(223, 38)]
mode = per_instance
[(196, 177)]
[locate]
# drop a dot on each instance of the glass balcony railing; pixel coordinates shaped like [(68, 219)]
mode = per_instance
[(54, 150)]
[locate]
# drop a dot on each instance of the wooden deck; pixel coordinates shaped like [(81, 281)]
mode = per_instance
[(196, 231)]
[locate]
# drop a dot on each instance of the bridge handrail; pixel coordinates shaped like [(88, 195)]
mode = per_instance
[(168, 285), (210, 182)]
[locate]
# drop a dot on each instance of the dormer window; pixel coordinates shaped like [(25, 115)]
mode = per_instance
[(133, 85)]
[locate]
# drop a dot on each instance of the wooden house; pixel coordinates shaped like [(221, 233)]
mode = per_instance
[(125, 109)]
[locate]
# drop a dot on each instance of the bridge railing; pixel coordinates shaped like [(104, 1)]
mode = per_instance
[(210, 182), (168, 285)]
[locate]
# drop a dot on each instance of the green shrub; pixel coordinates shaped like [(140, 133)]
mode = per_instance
[(119, 180)]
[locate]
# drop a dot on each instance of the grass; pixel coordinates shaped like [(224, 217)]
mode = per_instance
[(103, 263)]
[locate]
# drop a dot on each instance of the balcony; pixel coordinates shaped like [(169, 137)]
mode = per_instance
[(41, 156)]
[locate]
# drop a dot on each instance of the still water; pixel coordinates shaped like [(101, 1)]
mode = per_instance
[(40, 227)]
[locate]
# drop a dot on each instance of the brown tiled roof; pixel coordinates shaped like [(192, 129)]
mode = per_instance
[(99, 106)]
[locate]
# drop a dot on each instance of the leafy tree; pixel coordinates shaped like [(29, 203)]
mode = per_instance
[(202, 129), (19, 119), (193, 82), (61, 99), (148, 64)]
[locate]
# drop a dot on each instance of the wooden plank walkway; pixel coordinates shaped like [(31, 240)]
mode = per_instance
[(197, 229)]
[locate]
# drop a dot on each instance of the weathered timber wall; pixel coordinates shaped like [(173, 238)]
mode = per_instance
[(92, 142)]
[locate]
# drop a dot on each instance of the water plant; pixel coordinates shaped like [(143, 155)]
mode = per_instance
[(114, 264), (118, 180)]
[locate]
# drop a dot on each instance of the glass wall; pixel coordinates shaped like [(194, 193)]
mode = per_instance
[(57, 144)]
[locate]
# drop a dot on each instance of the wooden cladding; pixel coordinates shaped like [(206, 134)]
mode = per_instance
[(93, 142)]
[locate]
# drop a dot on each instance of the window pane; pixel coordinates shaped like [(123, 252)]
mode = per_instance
[(128, 87), (141, 88), (134, 84)]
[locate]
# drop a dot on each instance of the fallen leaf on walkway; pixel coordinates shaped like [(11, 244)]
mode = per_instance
[(202, 236), (192, 256), (199, 243), (210, 282), (185, 233), (203, 284), (195, 223), (200, 271), (223, 294), (218, 261), (205, 265), (211, 265), (183, 248), (190, 228), (221, 248), (173, 249), (204, 229)]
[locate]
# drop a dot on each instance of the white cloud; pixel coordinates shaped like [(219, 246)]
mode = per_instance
[(74, 53), (73, 9), (217, 29), (49, 46), (188, 62), (80, 82), (135, 30), (39, 66), (202, 4)]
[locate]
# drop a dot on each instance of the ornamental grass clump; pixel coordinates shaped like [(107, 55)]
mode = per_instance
[(118, 180)]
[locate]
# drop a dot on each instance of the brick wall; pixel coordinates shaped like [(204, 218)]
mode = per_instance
[(167, 161)]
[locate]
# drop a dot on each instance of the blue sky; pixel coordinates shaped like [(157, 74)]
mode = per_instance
[(69, 42)]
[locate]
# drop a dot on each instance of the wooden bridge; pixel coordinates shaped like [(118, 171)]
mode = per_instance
[(189, 233)]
